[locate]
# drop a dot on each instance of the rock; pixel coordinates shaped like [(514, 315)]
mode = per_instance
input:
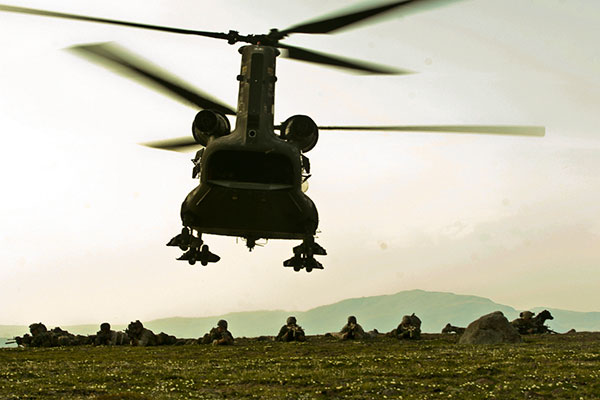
[(490, 329)]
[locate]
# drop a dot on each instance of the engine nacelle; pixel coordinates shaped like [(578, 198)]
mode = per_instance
[(301, 131), (209, 123)]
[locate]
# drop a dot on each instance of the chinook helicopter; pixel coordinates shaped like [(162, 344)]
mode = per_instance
[(251, 178)]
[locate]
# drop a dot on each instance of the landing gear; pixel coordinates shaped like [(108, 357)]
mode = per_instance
[(194, 247), (304, 256)]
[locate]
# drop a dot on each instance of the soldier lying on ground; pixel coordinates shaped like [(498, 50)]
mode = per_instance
[(409, 328), (291, 331), (42, 337), (163, 339), (352, 330), (140, 336), (108, 337), (453, 329), (218, 336), (527, 324)]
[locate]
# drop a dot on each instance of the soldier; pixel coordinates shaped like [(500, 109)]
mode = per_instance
[(291, 331), (527, 324), (453, 329), (165, 339), (40, 337), (62, 338), (108, 337), (409, 328), (218, 336), (140, 336), (540, 319), (24, 341), (104, 335), (352, 330), (524, 324)]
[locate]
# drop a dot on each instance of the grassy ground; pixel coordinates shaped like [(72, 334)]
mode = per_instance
[(549, 366)]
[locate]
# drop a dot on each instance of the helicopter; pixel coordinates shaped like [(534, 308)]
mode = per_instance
[(252, 178)]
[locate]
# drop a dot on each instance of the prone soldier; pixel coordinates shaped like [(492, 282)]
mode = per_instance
[(352, 330), (140, 336), (108, 337), (218, 336), (528, 324), (42, 337), (291, 331), (409, 328), (165, 339), (453, 329)]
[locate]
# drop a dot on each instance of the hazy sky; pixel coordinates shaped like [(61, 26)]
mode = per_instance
[(85, 212)]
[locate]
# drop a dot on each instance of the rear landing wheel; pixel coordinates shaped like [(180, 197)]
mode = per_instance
[(304, 256)]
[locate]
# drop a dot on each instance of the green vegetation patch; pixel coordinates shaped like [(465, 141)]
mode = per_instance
[(544, 366)]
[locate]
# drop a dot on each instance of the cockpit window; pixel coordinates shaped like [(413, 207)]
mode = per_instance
[(250, 167)]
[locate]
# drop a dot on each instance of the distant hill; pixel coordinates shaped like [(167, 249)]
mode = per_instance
[(382, 312)]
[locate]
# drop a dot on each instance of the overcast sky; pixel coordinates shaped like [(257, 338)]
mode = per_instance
[(85, 212)]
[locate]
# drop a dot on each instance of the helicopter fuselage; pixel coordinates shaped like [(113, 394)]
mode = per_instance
[(251, 179)]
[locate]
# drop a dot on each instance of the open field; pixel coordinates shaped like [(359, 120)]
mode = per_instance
[(548, 366)]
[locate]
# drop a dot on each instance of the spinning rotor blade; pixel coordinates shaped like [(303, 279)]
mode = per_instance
[(45, 13), (515, 130), (298, 53), (327, 25), (127, 64), (183, 144)]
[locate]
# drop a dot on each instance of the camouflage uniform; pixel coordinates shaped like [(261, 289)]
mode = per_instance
[(165, 339), (524, 324), (63, 338), (527, 324), (352, 330), (453, 329), (218, 336), (291, 332), (409, 328), (42, 337), (140, 336), (108, 337)]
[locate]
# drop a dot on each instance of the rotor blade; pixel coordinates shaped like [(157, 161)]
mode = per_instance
[(516, 130), (45, 13), (298, 53), (181, 144), (126, 63), (330, 24)]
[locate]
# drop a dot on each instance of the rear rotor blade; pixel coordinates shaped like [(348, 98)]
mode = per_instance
[(327, 25), (182, 144), (54, 14), (126, 63), (298, 53), (516, 130)]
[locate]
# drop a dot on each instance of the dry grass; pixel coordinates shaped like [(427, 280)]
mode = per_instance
[(549, 366)]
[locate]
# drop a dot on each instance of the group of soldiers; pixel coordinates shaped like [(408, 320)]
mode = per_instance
[(527, 324), (136, 335), (40, 336), (409, 328)]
